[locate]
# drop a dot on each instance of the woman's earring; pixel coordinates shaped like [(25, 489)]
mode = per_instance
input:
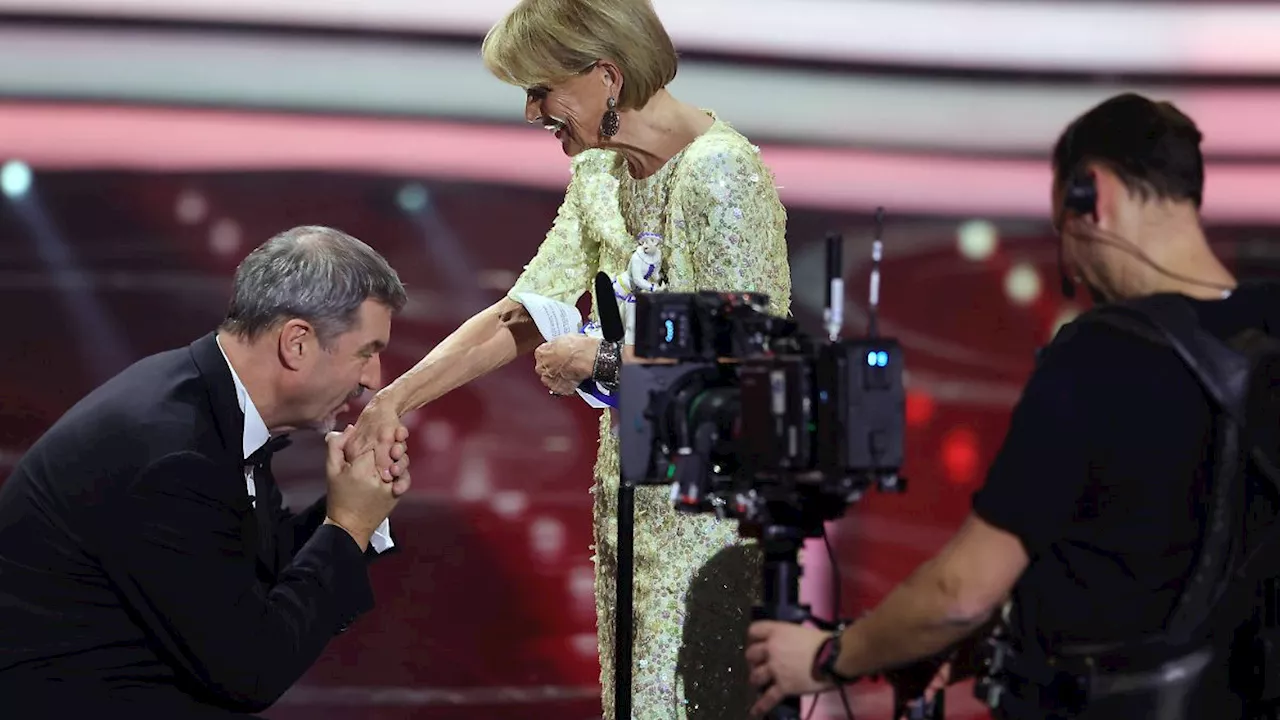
[(609, 123)]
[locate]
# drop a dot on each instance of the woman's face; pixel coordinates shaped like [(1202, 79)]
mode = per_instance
[(572, 109)]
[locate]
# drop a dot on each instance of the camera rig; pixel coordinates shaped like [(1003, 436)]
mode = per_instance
[(746, 417)]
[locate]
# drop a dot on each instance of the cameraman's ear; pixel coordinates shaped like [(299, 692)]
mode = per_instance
[(1117, 204)]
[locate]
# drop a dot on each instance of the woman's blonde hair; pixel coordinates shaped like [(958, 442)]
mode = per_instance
[(543, 42)]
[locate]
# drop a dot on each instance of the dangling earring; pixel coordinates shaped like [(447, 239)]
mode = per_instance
[(609, 123)]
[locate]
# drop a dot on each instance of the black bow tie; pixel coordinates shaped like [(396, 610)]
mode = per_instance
[(262, 456)]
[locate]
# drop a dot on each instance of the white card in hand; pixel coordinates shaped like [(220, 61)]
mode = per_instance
[(553, 319)]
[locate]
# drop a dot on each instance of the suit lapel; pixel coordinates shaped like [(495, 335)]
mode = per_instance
[(229, 421), (222, 395)]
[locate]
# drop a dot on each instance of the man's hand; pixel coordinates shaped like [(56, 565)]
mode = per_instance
[(359, 499), (379, 429), (563, 363), (780, 656)]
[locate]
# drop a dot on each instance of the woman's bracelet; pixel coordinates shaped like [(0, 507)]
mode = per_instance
[(608, 366)]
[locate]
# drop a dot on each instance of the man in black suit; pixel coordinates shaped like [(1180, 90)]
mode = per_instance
[(147, 565)]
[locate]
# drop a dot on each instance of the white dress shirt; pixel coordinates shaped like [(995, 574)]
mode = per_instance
[(256, 435)]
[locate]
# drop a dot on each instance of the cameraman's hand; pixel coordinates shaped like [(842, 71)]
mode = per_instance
[(918, 684), (563, 363), (358, 498), (780, 656)]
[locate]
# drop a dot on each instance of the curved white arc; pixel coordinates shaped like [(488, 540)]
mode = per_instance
[(1109, 37)]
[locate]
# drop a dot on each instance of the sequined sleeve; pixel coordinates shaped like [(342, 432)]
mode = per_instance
[(737, 224), (569, 256)]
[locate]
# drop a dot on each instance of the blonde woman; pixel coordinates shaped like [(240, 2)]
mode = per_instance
[(664, 196)]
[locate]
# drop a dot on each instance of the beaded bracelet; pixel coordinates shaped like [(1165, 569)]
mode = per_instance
[(608, 365)]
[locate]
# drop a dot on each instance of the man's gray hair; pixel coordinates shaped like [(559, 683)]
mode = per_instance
[(312, 273)]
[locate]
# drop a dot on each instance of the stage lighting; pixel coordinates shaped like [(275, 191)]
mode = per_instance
[(412, 198), (1022, 284), (977, 239), (15, 179)]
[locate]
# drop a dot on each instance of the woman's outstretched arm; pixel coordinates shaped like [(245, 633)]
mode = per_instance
[(561, 270), (492, 338)]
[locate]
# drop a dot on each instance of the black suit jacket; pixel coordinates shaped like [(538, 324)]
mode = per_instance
[(130, 569)]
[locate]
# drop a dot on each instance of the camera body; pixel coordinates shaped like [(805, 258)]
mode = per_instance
[(746, 417)]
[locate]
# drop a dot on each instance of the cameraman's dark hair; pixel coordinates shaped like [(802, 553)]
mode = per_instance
[(1151, 146), (314, 273)]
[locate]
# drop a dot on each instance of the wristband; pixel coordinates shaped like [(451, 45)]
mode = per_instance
[(608, 365), (824, 661)]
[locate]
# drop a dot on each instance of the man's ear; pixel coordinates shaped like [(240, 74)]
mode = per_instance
[(1115, 199), (297, 343)]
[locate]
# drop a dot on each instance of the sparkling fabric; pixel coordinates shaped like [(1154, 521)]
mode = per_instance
[(723, 228)]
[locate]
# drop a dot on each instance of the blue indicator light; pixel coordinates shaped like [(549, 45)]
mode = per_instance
[(671, 330), (882, 359), (871, 358)]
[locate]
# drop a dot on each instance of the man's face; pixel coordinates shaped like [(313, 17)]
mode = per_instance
[(329, 379)]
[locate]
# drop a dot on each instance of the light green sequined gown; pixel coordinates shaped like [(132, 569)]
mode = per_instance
[(723, 228)]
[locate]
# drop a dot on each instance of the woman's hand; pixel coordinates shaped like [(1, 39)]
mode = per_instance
[(565, 362), (379, 429)]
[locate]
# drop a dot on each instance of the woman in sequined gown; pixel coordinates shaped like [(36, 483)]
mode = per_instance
[(644, 165)]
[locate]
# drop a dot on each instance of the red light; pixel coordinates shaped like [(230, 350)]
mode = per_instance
[(960, 456), (920, 409)]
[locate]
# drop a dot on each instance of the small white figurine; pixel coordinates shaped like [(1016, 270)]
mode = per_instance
[(643, 274), (645, 268)]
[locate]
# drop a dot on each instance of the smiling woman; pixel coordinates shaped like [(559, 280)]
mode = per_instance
[(577, 81), (664, 196)]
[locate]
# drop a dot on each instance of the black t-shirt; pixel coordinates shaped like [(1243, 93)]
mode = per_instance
[(1103, 476)]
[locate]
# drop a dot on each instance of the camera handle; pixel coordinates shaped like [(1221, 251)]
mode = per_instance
[(781, 593)]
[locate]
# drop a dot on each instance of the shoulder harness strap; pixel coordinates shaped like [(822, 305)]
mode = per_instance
[(1170, 321)]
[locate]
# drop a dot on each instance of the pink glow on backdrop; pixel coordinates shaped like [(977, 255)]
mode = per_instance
[(65, 136)]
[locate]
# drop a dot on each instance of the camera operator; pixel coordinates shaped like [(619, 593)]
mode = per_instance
[(1093, 512)]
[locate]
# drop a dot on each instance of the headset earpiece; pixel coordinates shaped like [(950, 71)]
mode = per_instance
[(1082, 194), (1081, 199)]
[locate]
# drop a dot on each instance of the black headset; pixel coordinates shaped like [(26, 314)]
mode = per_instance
[(1082, 193), (1082, 188), (1081, 198)]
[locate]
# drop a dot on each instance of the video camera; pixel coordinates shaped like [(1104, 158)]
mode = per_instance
[(755, 420), (746, 417)]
